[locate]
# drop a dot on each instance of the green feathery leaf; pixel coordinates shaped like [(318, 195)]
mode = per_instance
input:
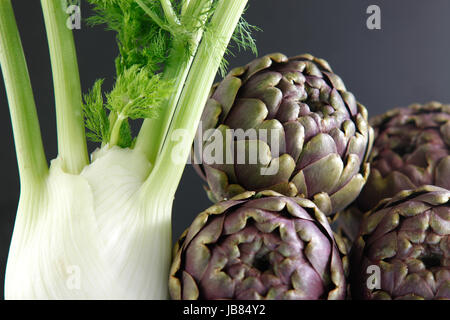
[(140, 39), (242, 38), (138, 93), (96, 120), (146, 37)]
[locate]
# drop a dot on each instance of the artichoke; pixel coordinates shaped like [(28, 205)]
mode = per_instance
[(263, 246), (411, 149), (407, 238), (319, 138)]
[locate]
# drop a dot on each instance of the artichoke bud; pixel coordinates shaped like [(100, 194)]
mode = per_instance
[(314, 134), (263, 246)]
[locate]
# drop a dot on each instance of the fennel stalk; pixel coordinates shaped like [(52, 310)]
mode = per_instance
[(101, 229)]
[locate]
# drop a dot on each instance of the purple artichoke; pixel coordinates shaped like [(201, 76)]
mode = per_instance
[(266, 246), (322, 135), (411, 149), (406, 238)]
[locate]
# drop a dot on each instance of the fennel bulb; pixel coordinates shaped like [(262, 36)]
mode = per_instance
[(96, 235)]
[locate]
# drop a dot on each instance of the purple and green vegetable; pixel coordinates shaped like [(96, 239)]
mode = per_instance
[(334, 207)]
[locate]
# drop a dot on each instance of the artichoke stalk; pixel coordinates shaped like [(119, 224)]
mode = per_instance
[(322, 133), (263, 246), (407, 239), (411, 149)]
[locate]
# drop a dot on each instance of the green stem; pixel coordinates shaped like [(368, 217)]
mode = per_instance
[(153, 131), (169, 12), (150, 137), (27, 135), (185, 6), (115, 132), (152, 15), (194, 96), (66, 81)]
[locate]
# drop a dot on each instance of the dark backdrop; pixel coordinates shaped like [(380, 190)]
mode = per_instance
[(405, 62)]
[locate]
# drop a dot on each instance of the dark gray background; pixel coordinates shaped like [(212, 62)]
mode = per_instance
[(405, 62)]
